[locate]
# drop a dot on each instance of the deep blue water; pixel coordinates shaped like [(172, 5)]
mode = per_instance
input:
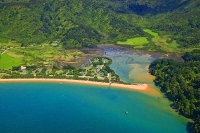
[(68, 108)]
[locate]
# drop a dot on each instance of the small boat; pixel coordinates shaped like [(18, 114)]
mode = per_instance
[(126, 112)]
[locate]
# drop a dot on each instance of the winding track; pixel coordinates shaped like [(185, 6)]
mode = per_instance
[(4, 51)]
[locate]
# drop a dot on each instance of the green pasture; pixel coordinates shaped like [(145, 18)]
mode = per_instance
[(135, 41), (154, 34), (1, 51), (38, 55), (156, 43), (162, 42), (7, 62), (9, 44), (151, 32)]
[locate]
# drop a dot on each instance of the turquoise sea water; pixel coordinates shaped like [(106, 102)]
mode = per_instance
[(68, 108)]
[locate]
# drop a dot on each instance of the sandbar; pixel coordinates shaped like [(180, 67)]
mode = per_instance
[(141, 87)]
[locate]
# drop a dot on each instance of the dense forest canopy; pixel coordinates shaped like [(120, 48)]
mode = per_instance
[(99, 21), (180, 81), (75, 23)]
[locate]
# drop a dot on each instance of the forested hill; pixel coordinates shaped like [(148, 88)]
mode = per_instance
[(86, 23), (183, 23), (143, 7), (180, 81), (74, 23)]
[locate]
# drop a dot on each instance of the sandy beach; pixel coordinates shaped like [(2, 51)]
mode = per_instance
[(141, 87)]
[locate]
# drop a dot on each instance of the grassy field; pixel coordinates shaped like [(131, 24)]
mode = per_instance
[(156, 43), (137, 41), (151, 32), (163, 42), (9, 44), (7, 62), (38, 55)]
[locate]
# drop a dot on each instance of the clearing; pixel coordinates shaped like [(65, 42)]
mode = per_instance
[(7, 62), (137, 41)]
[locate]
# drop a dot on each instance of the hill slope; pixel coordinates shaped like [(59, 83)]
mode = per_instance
[(183, 24), (86, 23), (75, 24)]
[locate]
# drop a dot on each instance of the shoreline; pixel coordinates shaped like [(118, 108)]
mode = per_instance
[(140, 87)]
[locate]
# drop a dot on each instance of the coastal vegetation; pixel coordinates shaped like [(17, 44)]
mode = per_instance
[(96, 70), (37, 55), (180, 82)]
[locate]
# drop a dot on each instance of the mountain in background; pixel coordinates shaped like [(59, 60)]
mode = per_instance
[(86, 23), (143, 7)]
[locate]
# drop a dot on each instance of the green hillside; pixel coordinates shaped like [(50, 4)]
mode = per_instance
[(75, 24), (183, 24), (86, 23)]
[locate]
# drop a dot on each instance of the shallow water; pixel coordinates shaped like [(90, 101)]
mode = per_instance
[(132, 65), (54, 107)]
